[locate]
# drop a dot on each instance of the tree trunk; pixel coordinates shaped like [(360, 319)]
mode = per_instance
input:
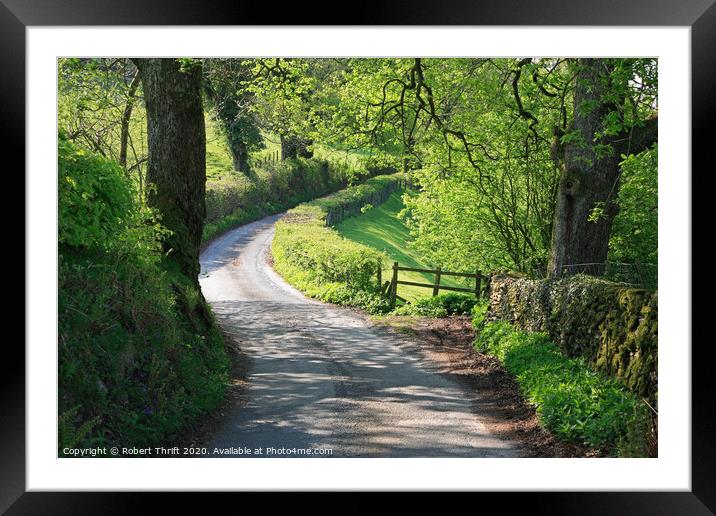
[(177, 155), (240, 157), (126, 116), (589, 178)]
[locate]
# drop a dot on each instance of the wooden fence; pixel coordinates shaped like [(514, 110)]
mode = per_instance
[(267, 158), (391, 287)]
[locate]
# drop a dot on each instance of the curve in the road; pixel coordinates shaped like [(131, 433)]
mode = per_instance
[(322, 377)]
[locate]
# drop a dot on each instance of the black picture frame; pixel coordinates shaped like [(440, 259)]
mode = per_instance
[(700, 15)]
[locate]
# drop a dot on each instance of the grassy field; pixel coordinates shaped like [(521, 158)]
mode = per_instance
[(218, 156), (382, 229)]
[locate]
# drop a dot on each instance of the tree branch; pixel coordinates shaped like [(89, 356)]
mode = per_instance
[(641, 137)]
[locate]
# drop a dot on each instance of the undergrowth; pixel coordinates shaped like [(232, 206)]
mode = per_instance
[(140, 357), (238, 198), (574, 402), (442, 305)]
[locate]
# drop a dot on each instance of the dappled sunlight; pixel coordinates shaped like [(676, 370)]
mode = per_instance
[(321, 376)]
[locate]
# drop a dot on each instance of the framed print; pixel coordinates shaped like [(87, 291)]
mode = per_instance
[(424, 245)]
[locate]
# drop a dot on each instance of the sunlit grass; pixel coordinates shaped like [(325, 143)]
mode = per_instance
[(218, 156), (382, 229)]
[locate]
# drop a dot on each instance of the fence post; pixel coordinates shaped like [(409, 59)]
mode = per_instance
[(436, 288), (394, 284), (478, 284)]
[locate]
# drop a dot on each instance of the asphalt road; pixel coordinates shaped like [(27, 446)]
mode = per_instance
[(322, 377)]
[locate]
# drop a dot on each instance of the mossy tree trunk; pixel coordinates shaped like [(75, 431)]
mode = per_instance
[(240, 157), (177, 155), (295, 146), (590, 170)]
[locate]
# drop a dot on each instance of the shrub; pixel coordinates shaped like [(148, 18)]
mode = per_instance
[(441, 305), (137, 360), (479, 314), (574, 402), (329, 257)]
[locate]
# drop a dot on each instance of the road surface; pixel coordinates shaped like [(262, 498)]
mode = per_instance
[(322, 377)]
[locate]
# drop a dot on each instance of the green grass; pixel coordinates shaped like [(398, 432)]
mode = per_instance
[(219, 163), (381, 229), (272, 147), (353, 158)]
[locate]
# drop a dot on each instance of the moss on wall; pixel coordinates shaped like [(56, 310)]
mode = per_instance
[(613, 327)]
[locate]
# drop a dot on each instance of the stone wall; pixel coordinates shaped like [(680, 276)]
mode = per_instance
[(613, 327)]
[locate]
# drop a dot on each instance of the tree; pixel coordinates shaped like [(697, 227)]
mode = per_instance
[(98, 110), (282, 89), (487, 182), (226, 84), (608, 123), (177, 153), (126, 117)]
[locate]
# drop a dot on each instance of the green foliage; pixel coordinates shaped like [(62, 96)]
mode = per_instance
[(139, 355), (282, 90), (69, 436), (99, 209), (635, 232), (235, 199), (481, 203), (572, 401), (318, 261), (329, 257), (441, 305), (479, 314), (93, 94), (94, 196), (346, 203), (383, 229)]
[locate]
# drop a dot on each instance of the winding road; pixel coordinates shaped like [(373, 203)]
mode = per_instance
[(322, 377)]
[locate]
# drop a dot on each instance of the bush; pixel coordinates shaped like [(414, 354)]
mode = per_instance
[(574, 402), (137, 360), (329, 257), (441, 305)]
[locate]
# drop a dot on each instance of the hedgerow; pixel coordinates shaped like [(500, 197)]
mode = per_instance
[(317, 260), (238, 199), (573, 401), (139, 355)]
